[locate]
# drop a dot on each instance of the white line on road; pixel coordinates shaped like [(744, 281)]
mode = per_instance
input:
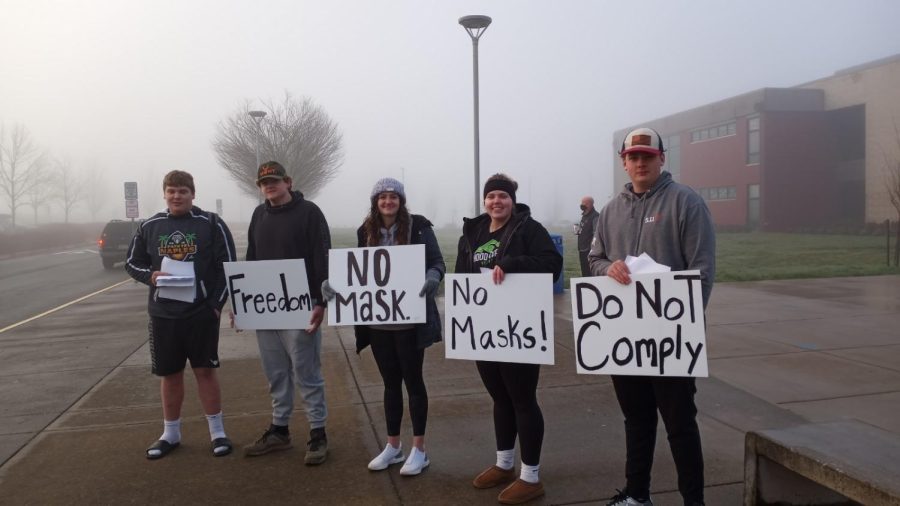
[(67, 304), (75, 252)]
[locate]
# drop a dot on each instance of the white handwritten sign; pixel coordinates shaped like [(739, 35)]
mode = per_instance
[(377, 285), (269, 294), (653, 326), (509, 322)]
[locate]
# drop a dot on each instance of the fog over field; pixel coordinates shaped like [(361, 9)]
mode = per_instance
[(125, 91)]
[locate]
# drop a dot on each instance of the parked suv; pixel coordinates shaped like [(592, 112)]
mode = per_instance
[(114, 241)]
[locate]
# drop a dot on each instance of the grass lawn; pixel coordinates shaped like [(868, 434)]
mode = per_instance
[(740, 256)]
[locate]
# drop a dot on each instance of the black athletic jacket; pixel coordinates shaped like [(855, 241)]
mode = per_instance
[(200, 237), (525, 247), (294, 230)]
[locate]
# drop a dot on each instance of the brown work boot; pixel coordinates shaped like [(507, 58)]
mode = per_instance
[(520, 492), (270, 441), (316, 448), (494, 476)]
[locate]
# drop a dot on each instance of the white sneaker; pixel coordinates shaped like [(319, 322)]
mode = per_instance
[(417, 461), (387, 457), (623, 499)]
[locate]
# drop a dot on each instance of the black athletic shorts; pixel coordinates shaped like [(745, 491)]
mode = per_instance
[(175, 341)]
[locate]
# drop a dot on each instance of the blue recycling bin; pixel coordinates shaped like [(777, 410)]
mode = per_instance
[(558, 284)]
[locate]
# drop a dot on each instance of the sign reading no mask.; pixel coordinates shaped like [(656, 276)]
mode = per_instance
[(509, 322), (377, 285), (269, 294), (653, 326)]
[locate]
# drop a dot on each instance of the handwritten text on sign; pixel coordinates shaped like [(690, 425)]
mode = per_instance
[(653, 326), (510, 322), (377, 286), (269, 294)]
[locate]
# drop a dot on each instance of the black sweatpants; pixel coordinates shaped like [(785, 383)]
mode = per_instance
[(640, 397), (513, 387), (400, 361)]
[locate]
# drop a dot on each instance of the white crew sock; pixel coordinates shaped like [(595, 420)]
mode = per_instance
[(506, 458), (530, 473), (216, 426), (171, 431)]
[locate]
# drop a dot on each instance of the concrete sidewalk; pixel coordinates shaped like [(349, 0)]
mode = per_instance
[(781, 353)]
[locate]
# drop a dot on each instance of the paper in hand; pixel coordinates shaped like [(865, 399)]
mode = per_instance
[(179, 284), (644, 264)]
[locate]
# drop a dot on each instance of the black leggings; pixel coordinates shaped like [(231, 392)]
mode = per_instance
[(400, 361), (516, 412), (640, 398)]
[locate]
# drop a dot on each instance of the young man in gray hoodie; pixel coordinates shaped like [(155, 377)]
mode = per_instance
[(671, 223)]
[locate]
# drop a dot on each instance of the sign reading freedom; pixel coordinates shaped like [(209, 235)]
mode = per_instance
[(377, 285), (269, 294), (509, 322), (653, 326)]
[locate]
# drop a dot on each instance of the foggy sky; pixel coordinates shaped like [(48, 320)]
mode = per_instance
[(138, 87)]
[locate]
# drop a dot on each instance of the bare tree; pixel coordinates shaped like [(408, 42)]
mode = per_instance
[(21, 162), (892, 185), (69, 187), (296, 133), (39, 195), (96, 189)]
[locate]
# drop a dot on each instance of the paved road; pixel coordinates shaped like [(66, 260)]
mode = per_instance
[(32, 284), (35, 283)]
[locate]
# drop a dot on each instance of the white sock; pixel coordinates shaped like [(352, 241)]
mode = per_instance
[(506, 458), (530, 473), (396, 449), (216, 426), (171, 431)]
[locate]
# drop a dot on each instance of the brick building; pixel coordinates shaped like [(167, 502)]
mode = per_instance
[(782, 159)]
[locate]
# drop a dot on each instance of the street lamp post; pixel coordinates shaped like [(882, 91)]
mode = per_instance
[(257, 118), (475, 26)]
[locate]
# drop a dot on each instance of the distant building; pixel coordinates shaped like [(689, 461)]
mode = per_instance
[(784, 159), (5, 222)]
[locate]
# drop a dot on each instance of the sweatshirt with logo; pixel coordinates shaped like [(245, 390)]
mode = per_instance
[(198, 236), (669, 222), (524, 245)]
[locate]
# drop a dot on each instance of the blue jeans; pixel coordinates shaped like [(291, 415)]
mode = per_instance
[(289, 357)]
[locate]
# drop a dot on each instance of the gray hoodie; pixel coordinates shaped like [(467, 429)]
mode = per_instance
[(669, 222)]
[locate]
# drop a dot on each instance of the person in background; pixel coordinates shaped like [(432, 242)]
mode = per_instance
[(584, 230), (505, 240), (184, 330), (671, 223), (399, 349)]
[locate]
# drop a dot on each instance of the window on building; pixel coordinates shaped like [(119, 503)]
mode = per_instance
[(713, 132), (718, 193), (753, 140), (753, 205), (673, 156)]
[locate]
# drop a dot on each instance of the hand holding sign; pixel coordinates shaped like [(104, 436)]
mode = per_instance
[(377, 285), (269, 294), (651, 327), (509, 322)]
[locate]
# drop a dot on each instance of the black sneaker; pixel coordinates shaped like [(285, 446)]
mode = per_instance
[(316, 448), (270, 441)]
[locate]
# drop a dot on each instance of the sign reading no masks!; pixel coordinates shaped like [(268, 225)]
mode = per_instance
[(653, 326), (377, 285), (509, 322), (269, 294)]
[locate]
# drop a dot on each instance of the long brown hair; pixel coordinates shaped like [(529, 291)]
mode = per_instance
[(373, 224)]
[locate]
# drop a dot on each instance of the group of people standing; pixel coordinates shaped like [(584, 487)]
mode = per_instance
[(505, 239)]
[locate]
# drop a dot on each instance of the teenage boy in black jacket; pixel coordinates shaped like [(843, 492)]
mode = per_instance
[(179, 330)]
